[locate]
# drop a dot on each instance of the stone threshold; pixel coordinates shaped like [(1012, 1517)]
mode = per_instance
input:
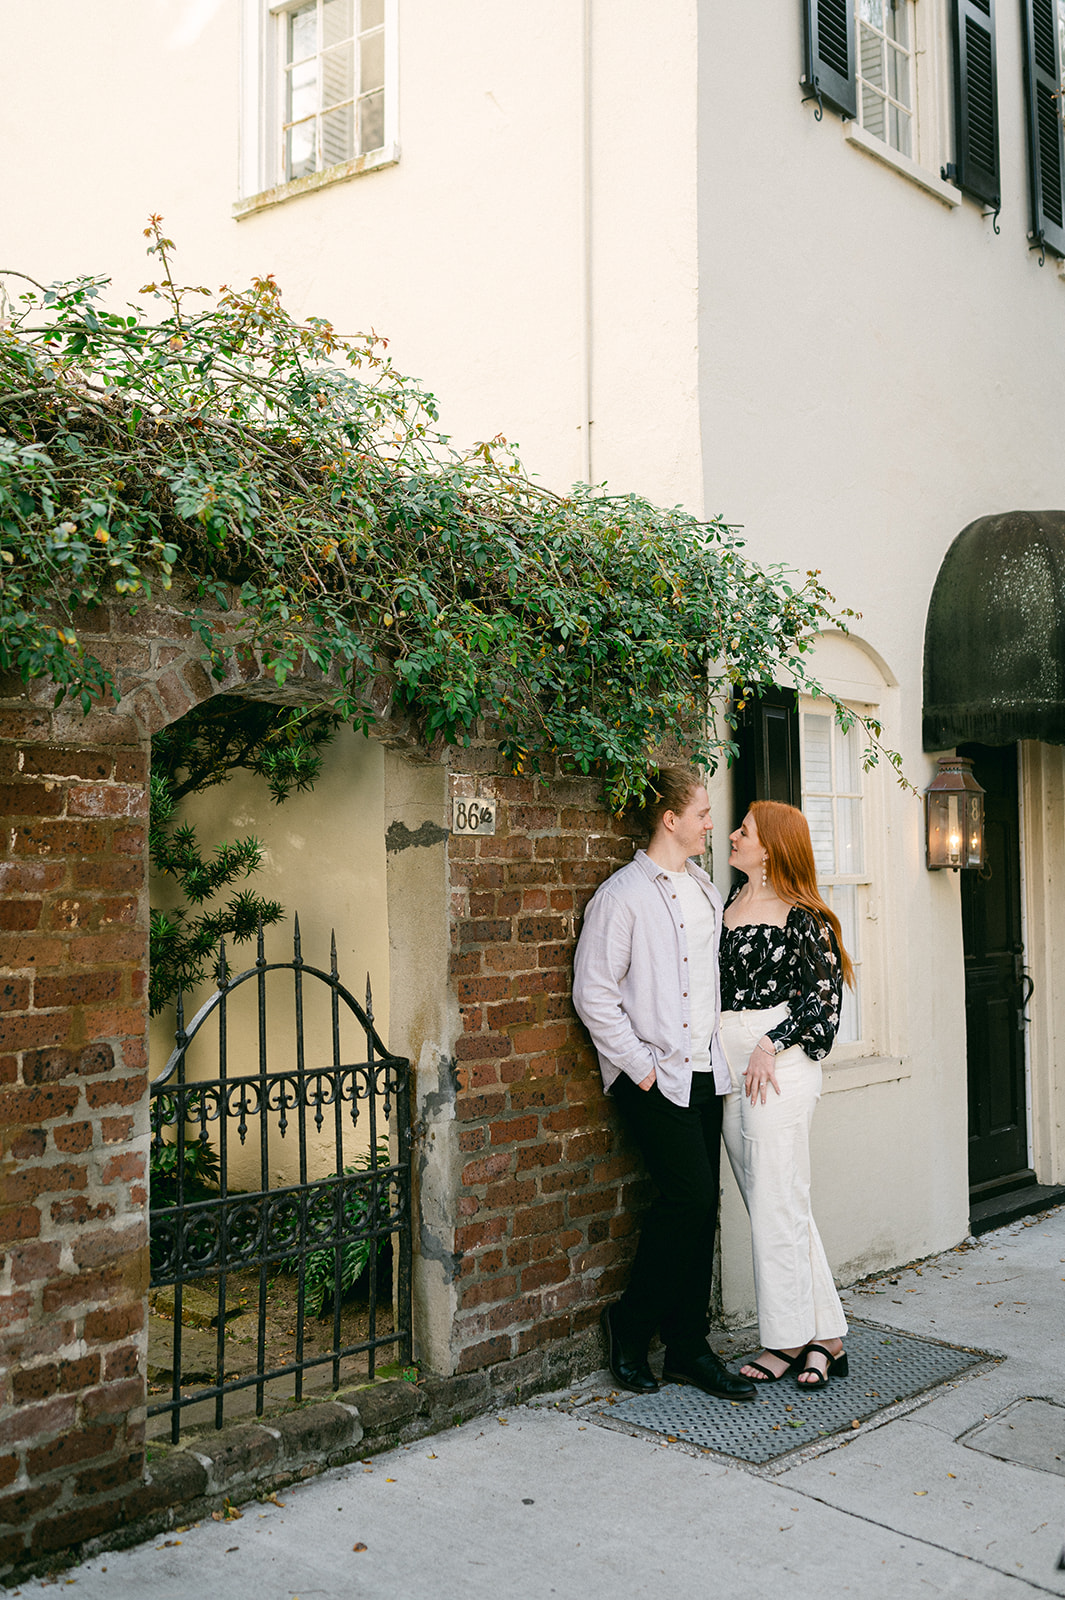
[(996, 1212)]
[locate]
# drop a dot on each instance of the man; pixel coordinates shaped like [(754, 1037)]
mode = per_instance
[(646, 987)]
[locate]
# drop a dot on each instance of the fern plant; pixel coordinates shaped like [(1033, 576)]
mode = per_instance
[(364, 1206), (199, 1172)]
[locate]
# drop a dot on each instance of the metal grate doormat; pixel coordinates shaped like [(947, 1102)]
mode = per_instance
[(885, 1367)]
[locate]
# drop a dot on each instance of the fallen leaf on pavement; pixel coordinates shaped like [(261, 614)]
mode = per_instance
[(228, 1513), (359, 1546)]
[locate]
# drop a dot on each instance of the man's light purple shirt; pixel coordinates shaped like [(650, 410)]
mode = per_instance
[(630, 984)]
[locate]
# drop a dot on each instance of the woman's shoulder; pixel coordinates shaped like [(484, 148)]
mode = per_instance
[(807, 924), (803, 920)]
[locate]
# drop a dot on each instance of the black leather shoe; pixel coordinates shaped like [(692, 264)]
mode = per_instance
[(629, 1370), (707, 1373)]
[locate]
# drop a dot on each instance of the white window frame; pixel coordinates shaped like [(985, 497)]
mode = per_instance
[(869, 961), (930, 56), (261, 164), (909, 9)]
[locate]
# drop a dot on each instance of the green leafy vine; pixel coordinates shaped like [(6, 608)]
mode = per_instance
[(300, 483)]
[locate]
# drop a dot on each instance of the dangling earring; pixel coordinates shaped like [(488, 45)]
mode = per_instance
[(765, 878)]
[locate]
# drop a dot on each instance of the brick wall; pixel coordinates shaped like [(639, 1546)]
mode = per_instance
[(74, 1079), (543, 1196), (549, 1187), (73, 1232)]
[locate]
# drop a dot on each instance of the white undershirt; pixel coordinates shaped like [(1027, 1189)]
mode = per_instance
[(698, 919)]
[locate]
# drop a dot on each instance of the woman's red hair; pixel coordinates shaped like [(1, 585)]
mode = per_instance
[(785, 834)]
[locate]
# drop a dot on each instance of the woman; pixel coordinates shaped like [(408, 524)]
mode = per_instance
[(783, 966)]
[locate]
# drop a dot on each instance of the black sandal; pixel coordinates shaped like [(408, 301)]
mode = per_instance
[(838, 1367), (791, 1362)]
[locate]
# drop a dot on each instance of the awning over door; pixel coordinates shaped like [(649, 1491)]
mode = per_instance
[(994, 644)]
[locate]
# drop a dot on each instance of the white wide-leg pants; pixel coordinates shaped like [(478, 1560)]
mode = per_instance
[(769, 1148)]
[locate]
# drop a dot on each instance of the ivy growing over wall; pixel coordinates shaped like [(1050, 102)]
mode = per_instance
[(304, 485)]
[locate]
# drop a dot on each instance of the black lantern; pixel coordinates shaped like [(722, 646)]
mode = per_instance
[(954, 817)]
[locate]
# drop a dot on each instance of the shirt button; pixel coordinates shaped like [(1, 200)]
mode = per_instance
[(685, 1024)]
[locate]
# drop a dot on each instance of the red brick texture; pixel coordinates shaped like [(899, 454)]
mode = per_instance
[(73, 1227), (550, 1187), (73, 1079)]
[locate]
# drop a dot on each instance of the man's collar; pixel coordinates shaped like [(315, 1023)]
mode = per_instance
[(653, 871)]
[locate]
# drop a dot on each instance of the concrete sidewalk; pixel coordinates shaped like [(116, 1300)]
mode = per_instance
[(543, 1501)]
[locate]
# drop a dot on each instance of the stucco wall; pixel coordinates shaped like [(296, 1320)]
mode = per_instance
[(324, 860), (467, 255), (877, 368)]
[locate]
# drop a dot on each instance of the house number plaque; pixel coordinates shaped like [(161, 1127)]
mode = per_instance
[(473, 816)]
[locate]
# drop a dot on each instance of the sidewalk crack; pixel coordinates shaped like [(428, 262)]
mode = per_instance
[(931, 1544)]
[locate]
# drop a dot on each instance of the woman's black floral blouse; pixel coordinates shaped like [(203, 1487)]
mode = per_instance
[(763, 965)]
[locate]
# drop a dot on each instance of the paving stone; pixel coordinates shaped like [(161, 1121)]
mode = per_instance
[(199, 1353), (1029, 1432), (198, 1308), (317, 1430), (236, 1453), (384, 1405)]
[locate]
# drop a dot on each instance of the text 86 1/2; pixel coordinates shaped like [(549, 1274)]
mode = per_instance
[(474, 816)]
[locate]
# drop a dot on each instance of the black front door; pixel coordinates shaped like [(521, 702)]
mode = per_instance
[(994, 982)]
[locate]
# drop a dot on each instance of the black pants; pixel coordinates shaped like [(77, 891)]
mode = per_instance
[(669, 1290)]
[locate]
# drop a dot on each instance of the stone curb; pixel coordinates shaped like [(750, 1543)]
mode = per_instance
[(213, 1471)]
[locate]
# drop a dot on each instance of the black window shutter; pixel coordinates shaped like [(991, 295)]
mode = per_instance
[(768, 737), (976, 101), (829, 67), (1046, 147)]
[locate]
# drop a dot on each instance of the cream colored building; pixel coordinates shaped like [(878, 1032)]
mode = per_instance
[(620, 235)]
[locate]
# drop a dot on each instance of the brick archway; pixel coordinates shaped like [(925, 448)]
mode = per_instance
[(524, 1192)]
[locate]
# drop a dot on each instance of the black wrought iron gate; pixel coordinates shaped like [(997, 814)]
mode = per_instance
[(302, 1240)]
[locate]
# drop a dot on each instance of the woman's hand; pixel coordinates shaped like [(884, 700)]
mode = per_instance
[(760, 1070), (649, 1081)]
